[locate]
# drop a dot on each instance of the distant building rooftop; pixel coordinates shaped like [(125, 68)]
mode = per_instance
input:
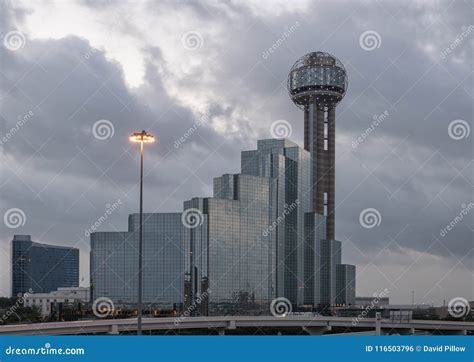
[(372, 299), (22, 237)]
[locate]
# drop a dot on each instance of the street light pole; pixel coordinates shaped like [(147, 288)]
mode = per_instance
[(140, 247), (142, 137)]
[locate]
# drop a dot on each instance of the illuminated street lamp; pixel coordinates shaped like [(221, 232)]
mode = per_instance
[(142, 138)]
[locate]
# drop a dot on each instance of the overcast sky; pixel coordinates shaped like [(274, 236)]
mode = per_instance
[(77, 77)]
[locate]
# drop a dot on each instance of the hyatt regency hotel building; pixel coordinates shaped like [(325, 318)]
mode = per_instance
[(255, 240)]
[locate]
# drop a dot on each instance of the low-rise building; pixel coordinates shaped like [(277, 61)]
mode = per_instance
[(365, 301), (47, 302)]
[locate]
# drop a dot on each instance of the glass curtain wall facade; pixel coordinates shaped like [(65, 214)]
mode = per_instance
[(315, 233), (229, 257), (196, 260), (330, 257), (288, 168), (114, 262), (42, 268), (345, 284)]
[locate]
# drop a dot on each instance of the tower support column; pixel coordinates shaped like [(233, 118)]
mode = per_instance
[(319, 167), (307, 122), (331, 171)]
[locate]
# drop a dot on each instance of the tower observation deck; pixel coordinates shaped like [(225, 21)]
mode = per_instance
[(317, 82)]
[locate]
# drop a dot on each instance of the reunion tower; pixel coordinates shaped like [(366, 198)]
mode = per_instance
[(317, 82)]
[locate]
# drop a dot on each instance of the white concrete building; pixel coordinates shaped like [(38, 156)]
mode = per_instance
[(66, 296)]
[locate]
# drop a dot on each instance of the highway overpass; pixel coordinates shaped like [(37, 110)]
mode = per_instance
[(297, 324)]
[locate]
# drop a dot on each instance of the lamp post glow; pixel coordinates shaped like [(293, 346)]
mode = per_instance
[(142, 138)]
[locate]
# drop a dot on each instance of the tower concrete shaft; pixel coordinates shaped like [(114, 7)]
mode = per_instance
[(320, 141)]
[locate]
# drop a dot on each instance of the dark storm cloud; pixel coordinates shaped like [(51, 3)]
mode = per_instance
[(421, 96), (408, 168)]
